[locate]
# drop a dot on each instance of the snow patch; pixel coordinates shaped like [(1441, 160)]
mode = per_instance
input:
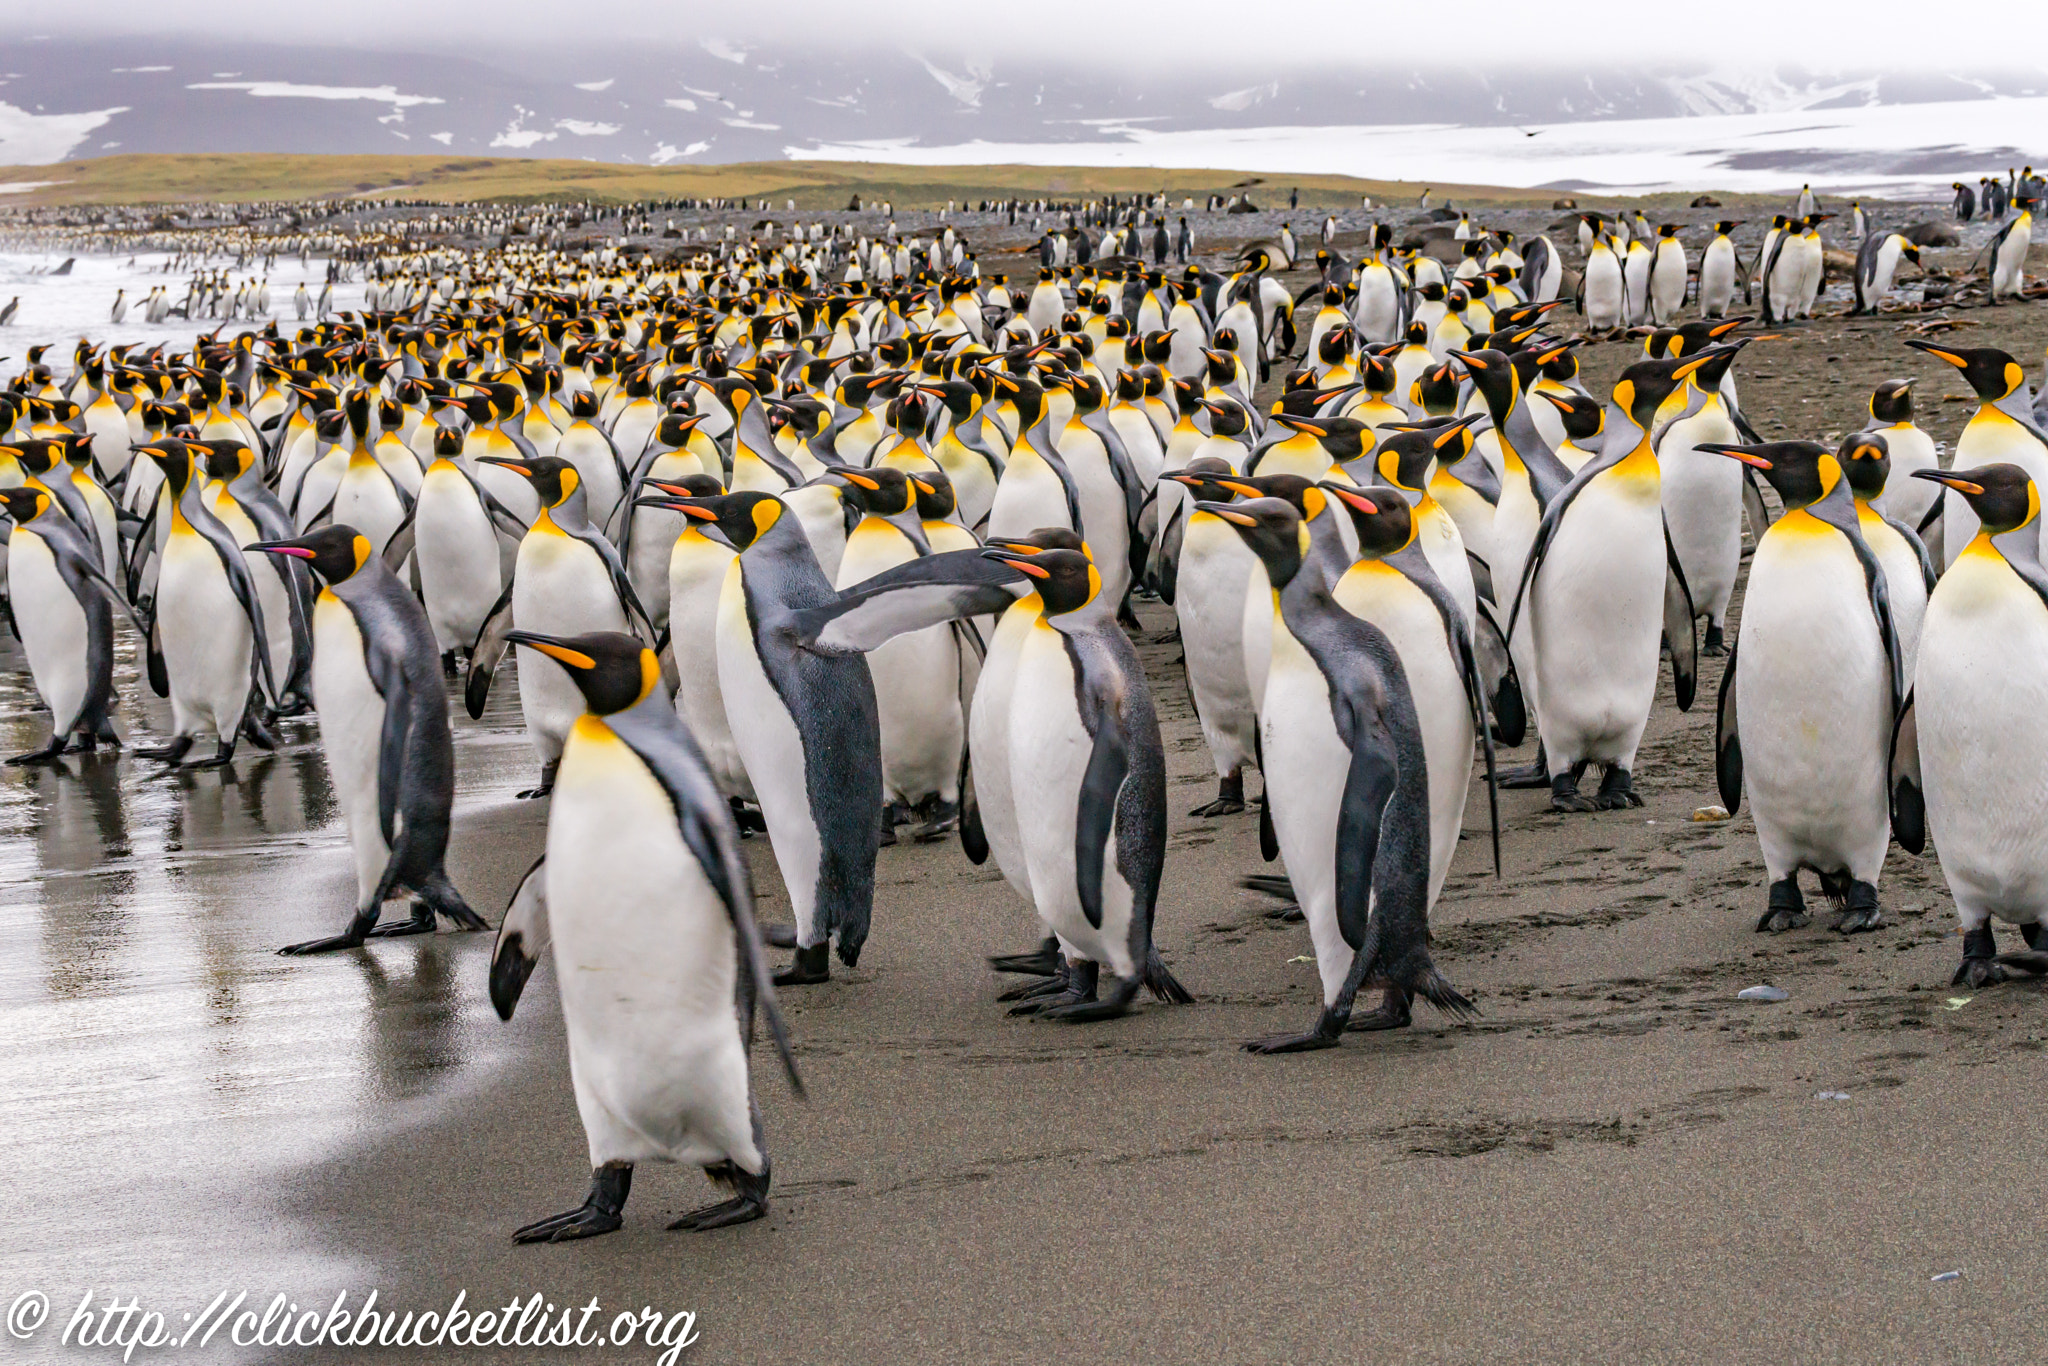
[(583, 128), (724, 51), (688, 106), (38, 139), (594, 87), (289, 90), (666, 152), (1237, 101)]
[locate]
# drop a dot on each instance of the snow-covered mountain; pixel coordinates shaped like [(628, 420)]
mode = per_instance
[(722, 101)]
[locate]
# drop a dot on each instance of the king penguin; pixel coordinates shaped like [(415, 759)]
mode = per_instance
[(1347, 783), (384, 728), (643, 894), (59, 600), (1808, 702), (2001, 431)]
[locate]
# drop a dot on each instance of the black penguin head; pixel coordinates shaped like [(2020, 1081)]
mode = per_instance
[(1583, 417), (24, 503), (226, 461), (336, 551), (1644, 386), (1803, 472), (1272, 529), (1201, 478), (1385, 525), (1493, 375), (1406, 449), (1045, 538), (1301, 494), (612, 670), (553, 478), (174, 458), (1066, 580), (36, 455), (882, 490), (1226, 416), (1892, 401), (2003, 496), (1866, 461), (1342, 438), (742, 518), (1992, 373), (1436, 389)]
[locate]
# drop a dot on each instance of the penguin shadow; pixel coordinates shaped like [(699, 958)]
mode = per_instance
[(412, 1034)]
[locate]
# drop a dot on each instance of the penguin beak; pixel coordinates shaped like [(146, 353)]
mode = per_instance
[(1450, 433), (1018, 563), (1746, 456), (1186, 481), (511, 462), (1931, 349), (1350, 497), (291, 548), (1952, 481), (552, 648), (1238, 487), (1228, 514)]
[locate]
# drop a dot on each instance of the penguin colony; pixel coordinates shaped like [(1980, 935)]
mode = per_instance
[(829, 539)]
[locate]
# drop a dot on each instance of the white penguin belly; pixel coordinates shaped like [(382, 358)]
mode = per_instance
[(1596, 610), (1049, 753), (456, 551), (646, 965), (351, 735), (1307, 765), (1813, 697), (696, 575), (917, 682), (988, 735), (1989, 438), (1216, 571), (773, 752), (54, 631), (206, 639), (561, 588), (1029, 496), (1981, 704), (1702, 497)]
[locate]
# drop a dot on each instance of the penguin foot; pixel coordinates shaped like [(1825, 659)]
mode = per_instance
[(1047, 986), (1777, 921), (939, 819), (222, 757), (811, 966), (750, 1201), (1328, 1033), (1229, 798), (1118, 1002), (547, 781), (167, 753), (1863, 914), (1391, 1013), (1716, 642), (1076, 988), (2031, 961), (1290, 914), (779, 936), (1617, 791), (258, 734), (1787, 909), (1980, 972), (1167, 637), (449, 667), (886, 835), (599, 1212), (748, 818), (1565, 794), (1043, 961), (1128, 619), (1523, 776), (351, 940), (421, 921), (46, 755)]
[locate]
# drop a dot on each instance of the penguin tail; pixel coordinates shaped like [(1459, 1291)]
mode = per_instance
[(1162, 983), (1835, 887), (1434, 988)]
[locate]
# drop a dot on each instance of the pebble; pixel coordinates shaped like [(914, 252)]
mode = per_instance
[(1711, 813), (1830, 1095), (1946, 1276), (1763, 994)]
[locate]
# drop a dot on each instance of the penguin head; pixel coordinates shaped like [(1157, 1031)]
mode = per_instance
[(37, 455), (1202, 478), (1342, 438), (2003, 496), (1694, 337), (1384, 525), (226, 461), (24, 503), (612, 670), (1045, 538), (1892, 401), (1492, 374), (1644, 386), (1583, 417), (882, 490), (174, 458), (1992, 373), (1066, 580), (1866, 461), (336, 551), (554, 479), (1227, 416), (1436, 390), (1271, 529), (935, 497), (742, 518), (1407, 449), (1803, 472), (1726, 226)]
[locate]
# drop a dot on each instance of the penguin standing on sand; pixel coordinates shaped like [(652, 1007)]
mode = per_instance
[(1347, 784), (806, 725), (567, 576), (2009, 252), (643, 894), (59, 601), (1088, 774), (1976, 738), (1865, 458), (1601, 587), (1808, 702), (384, 728), (207, 619), (1212, 569), (1877, 261), (1719, 266)]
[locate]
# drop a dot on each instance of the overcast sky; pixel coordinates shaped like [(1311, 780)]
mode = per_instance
[(1959, 35)]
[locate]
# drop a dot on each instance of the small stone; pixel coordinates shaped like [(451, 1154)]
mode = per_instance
[(1763, 993), (1830, 1095), (1711, 813), (1957, 1002), (1945, 1277)]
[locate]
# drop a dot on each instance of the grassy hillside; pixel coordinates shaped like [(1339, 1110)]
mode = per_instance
[(813, 184)]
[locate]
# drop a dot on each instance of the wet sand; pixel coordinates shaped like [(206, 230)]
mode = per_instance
[(1618, 1161)]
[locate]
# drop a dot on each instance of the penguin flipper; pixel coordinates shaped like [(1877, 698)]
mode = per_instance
[(1909, 801), (522, 938), (1482, 577), (926, 591), (401, 543), (486, 653), (1496, 678), (1109, 762), (1368, 787), (1753, 504), (1680, 629), (1728, 739)]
